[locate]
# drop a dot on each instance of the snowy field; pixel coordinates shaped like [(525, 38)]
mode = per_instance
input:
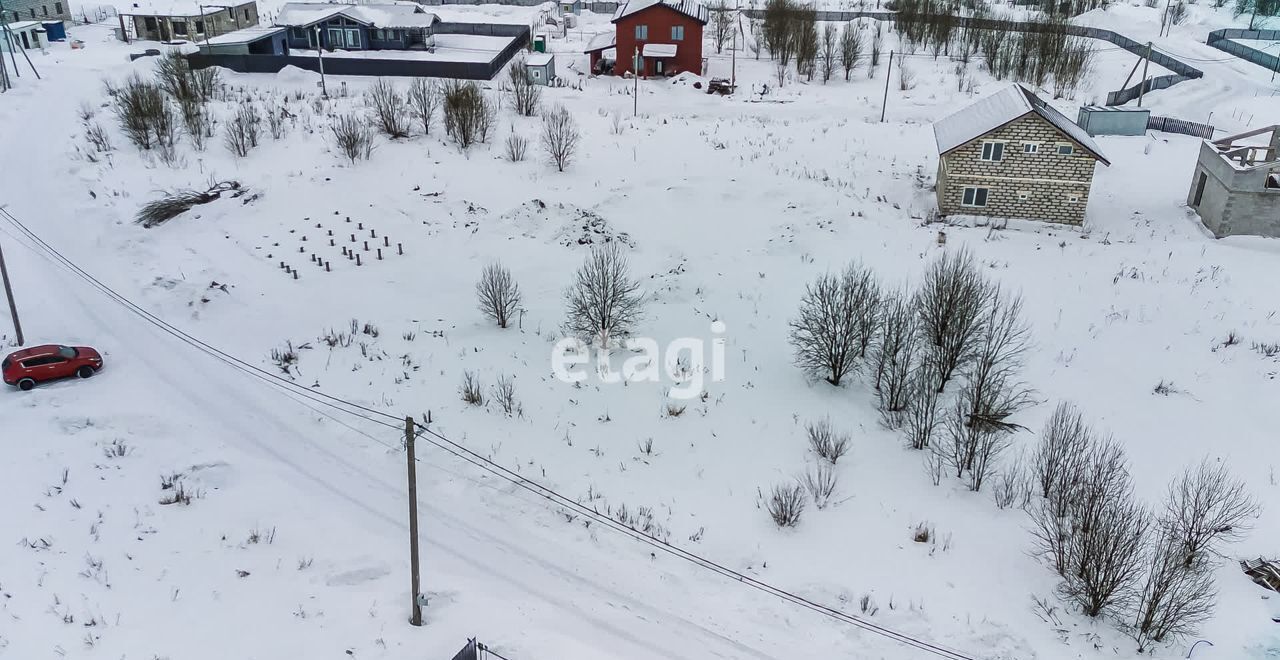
[(293, 544)]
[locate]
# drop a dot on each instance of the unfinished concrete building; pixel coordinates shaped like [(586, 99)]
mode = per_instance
[(1236, 187)]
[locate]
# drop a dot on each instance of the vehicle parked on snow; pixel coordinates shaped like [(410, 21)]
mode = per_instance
[(38, 364)]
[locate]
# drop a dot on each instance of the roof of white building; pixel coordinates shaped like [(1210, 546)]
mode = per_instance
[(246, 36), (602, 41), (999, 109), (539, 59), (169, 7), (687, 7), (400, 15)]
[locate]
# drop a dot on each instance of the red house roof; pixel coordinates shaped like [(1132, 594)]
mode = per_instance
[(687, 7)]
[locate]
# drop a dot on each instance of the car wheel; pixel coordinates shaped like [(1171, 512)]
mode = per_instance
[(84, 372), (26, 384)]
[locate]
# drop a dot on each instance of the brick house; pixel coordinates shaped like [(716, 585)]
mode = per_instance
[(1011, 155), (149, 20), (654, 38)]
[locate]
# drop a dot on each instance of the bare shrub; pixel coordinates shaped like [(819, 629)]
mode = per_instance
[(276, 122), (352, 137), (1059, 460), (604, 300), (1175, 599), (525, 95), (424, 99), (98, 139), (1205, 508), (786, 504), (560, 136), (389, 109), (821, 482), (906, 76), (826, 441), (517, 146), (468, 114), (139, 106), (182, 83), (851, 45), (177, 202), (877, 47), (836, 324), (198, 123), (471, 390), (922, 533), (504, 393), (921, 417), (498, 294), (893, 356), (1012, 486), (951, 302), (828, 50), (242, 131)]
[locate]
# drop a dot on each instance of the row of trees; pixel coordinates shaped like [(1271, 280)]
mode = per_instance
[(789, 31), (1116, 557)]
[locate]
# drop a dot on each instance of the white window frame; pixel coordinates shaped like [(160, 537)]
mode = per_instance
[(1074, 198), (1070, 150), (973, 198), (642, 32), (1024, 195), (677, 33), (1030, 147), (989, 151)]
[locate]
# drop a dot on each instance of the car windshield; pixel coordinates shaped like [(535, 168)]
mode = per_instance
[(66, 352)]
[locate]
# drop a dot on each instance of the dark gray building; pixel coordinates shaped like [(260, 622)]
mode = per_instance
[(35, 10)]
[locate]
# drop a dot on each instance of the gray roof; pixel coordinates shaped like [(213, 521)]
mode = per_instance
[(399, 15), (1001, 108), (687, 7), (246, 36)]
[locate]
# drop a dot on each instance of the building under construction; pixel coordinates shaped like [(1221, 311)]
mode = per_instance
[(1236, 187)]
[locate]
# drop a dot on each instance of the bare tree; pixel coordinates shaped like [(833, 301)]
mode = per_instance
[(829, 49), (424, 98), (722, 27), (1175, 599), (1206, 507), (952, 301), (389, 109), (807, 41), (922, 415), (1059, 460), (877, 46), (604, 300), (850, 46), (560, 136), (525, 95), (498, 294), (352, 137), (825, 334), (468, 114), (893, 355)]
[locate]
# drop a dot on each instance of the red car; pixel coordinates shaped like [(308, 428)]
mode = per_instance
[(34, 365)]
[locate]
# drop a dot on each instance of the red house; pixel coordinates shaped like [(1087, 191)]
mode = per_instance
[(653, 38)]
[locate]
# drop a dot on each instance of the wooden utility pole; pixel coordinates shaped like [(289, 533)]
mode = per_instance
[(887, 75), (324, 91), (733, 70), (8, 292), (1142, 86), (414, 575), (635, 73)]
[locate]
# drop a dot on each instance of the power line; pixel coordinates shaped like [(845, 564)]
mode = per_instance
[(462, 452)]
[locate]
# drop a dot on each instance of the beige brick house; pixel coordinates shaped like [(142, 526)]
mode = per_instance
[(1011, 155)]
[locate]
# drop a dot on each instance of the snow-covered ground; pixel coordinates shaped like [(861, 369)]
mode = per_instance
[(295, 544)]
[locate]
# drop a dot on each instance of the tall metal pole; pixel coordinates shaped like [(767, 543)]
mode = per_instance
[(324, 91), (8, 292), (635, 100), (1142, 86), (733, 71), (414, 575), (204, 20), (888, 70)]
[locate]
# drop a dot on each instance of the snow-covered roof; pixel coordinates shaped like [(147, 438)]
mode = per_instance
[(538, 59), (26, 25), (168, 8), (406, 15), (602, 41), (658, 50), (687, 7), (246, 36), (999, 109)]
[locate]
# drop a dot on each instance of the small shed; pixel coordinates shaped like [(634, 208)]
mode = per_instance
[(257, 40), (570, 7), (1104, 120), (541, 67), (28, 35), (55, 30)]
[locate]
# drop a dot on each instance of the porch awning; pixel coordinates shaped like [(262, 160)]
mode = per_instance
[(659, 50)]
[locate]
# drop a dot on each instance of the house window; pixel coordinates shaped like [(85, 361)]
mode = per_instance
[(298, 33), (642, 32), (393, 35), (44, 10), (32, 11), (179, 27), (149, 22), (379, 35), (1030, 148), (246, 15), (1066, 150), (1024, 195), (677, 33), (57, 7), (993, 151), (975, 197), (1073, 198)]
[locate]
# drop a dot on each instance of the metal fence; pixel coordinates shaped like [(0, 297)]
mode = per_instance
[(352, 66), (1222, 40), (1127, 94), (1171, 125)]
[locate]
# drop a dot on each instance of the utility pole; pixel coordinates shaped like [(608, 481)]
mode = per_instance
[(13, 45), (414, 575), (8, 292), (733, 71), (204, 20), (887, 71), (635, 97), (1142, 86), (324, 91)]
